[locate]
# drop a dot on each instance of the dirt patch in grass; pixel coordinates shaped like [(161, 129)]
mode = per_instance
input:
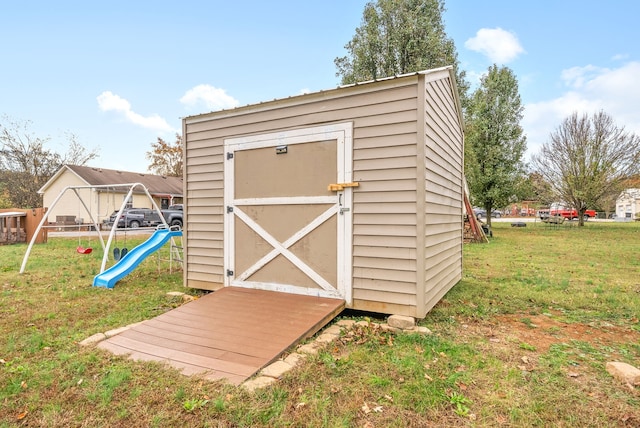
[(543, 331), (551, 362)]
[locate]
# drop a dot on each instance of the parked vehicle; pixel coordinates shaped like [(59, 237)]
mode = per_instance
[(543, 213), (482, 213), (147, 217), (569, 213), (135, 217), (173, 215)]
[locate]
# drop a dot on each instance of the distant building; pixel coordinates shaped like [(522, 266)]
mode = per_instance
[(103, 201), (628, 204)]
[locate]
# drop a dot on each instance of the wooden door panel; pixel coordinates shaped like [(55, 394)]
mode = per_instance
[(304, 170), (284, 229)]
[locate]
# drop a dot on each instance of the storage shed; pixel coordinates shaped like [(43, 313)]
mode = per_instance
[(354, 193)]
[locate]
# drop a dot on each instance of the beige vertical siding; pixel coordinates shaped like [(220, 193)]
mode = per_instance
[(388, 153), (443, 192)]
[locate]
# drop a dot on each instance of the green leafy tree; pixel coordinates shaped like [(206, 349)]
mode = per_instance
[(5, 202), (398, 37), (495, 141), (166, 158), (540, 189), (587, 160), (26, 164)]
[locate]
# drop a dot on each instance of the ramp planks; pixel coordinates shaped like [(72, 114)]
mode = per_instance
[(229, 334)]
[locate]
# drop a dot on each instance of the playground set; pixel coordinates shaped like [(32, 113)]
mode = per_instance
[(126, 260)]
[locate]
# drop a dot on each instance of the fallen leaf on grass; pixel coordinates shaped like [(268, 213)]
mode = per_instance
[(22, 415)]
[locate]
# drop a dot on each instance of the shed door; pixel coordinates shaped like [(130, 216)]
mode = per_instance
[(284, 229)]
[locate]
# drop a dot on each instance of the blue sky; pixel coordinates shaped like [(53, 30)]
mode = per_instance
[(119, 74)]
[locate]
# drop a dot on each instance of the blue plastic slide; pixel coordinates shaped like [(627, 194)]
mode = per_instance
[(110, 276)]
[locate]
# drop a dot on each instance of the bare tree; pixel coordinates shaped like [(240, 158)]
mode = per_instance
[(26, 164), (166, 158), (76, 153), (587, 159)]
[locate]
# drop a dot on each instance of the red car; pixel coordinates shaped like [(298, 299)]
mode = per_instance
[(570, 213)]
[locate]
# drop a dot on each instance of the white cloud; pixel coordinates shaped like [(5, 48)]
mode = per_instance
[(589, 89), (498, 45), (108, 101), (209, 97), (578, 76)]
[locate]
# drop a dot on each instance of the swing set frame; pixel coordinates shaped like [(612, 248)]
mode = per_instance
[(114, 227)]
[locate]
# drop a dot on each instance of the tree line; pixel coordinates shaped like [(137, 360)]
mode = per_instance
[(585, 162)]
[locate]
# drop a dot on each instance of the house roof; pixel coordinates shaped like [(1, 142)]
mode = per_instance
[(631, 193), (93, 176)]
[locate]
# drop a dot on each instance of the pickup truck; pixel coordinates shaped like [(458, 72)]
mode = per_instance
[(146, 217), (134, 218), (570, 213), (173, 215)]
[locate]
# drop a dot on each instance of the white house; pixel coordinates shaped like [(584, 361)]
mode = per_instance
[(104, 201), (628, 204)]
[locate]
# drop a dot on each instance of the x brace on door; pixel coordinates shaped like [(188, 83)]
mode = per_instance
[(283, 247), (330, 277)]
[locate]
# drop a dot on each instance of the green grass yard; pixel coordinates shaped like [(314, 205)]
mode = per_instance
[(521, 341)]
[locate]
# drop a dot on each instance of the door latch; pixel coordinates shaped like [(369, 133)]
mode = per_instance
[(337, 187)]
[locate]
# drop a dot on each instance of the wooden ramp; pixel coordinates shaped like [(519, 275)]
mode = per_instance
[(229, 334)]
